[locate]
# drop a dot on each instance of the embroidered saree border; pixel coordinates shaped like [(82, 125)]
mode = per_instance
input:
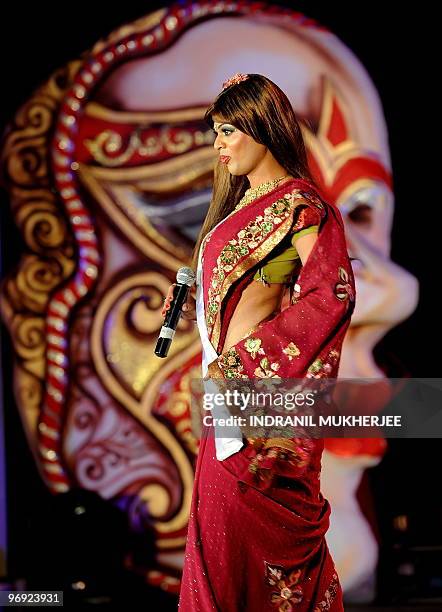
[(271, 214)]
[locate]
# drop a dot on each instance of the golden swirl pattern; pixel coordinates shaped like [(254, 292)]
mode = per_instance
[(49, 256), (28, 334), (133, 305), (109, 149), (41, 225), (25, 149)]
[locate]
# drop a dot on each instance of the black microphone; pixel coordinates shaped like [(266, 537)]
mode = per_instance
[(185, 278)]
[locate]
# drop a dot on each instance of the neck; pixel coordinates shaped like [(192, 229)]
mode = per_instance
[(264, 172), (264, 180)]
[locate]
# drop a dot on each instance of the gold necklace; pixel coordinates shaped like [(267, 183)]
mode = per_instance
[(255, 192)]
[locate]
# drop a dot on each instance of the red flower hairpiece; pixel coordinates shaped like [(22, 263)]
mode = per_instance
[(237, 78)]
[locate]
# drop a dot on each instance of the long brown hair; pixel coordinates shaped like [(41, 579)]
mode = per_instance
[(260, 109)]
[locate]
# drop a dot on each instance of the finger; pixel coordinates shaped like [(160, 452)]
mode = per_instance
[(166, 307), (191, 314)]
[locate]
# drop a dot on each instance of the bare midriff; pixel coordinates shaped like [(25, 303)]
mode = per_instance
[(258, 302)]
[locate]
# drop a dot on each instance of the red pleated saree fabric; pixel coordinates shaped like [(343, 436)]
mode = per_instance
[(256, 537)]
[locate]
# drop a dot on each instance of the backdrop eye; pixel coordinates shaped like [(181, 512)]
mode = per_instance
[(361, 213)]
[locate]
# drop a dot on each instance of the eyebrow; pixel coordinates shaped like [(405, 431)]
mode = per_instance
[(218, 125)]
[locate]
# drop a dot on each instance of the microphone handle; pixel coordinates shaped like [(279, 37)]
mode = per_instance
[(171, 321), (162, 347)]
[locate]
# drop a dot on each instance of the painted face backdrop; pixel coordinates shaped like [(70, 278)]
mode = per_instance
[(109, 168)]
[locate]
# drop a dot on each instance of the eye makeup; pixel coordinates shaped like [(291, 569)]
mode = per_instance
[(224, 127)]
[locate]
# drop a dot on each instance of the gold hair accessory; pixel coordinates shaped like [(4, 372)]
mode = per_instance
[(237, 78)]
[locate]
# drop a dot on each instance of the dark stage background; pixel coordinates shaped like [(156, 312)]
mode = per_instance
[(398, 49)]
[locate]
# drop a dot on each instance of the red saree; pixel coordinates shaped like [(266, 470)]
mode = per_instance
[(258, 520)]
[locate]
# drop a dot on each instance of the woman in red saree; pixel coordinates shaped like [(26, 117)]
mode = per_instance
[(258, 519)]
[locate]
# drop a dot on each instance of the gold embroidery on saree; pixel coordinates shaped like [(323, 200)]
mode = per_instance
[(287, 591), (343, 289), (253, 236), (329, 596), (230, 364), (267, 369), (321, 368), (291, 350), (252, 346)]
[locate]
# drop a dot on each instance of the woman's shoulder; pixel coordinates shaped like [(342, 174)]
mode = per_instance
[(305, 197), (299, 189), (308, 192)]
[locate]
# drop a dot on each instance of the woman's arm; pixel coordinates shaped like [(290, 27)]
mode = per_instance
[(305, 244)]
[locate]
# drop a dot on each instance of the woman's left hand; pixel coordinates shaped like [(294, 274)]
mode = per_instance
[(189, 308)]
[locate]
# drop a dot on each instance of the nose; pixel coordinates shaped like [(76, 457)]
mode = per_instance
[(218, 144)]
